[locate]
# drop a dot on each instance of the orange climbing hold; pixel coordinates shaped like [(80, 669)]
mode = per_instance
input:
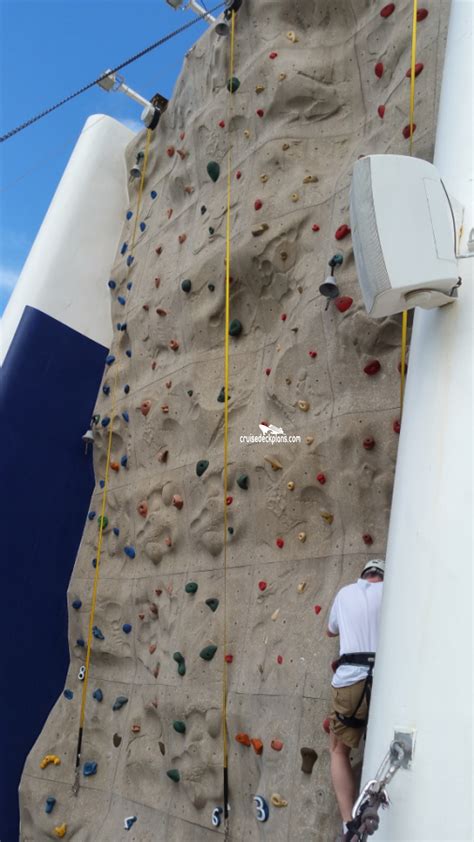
[(145, 407), (115, 466), (243, 739), (257, 745), (276, 745), (381, 111), (378, 69), (387, 10), (342, 232), (343, 302), (418, 68)]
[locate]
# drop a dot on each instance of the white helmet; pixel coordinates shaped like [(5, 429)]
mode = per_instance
[(376, 564)]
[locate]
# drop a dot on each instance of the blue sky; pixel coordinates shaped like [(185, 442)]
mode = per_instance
[(49, 50)]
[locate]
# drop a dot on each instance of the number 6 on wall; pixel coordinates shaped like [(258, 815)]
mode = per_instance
[(262, 808)]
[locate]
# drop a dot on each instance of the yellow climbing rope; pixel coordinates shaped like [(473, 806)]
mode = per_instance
[(226, 418), (104, 498)]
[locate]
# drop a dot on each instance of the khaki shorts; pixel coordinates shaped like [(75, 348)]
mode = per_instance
[(345, 701)]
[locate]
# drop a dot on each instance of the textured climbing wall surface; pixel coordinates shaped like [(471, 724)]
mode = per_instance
[(320, 84)]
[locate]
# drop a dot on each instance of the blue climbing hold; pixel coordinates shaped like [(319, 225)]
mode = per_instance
[(121, 300), (126, 388), (128, 352), (106, 390), (129, 285), (126, 416), (112, 284), (80, 642), (77, 604), (102, 483), (120, 701), (116, 530), (97, 633), (127, 628), (142, 226), (110, 359), (186, 285), (94, 563), (119, 326), (49, 806), (90, 768), (129, 822), (98, 695), (153, 194), (105, 421), (124, 461), (130, 259), (124, 248), (91, 515), (230, 530), (68, 694), (129, 551), (129, 214)]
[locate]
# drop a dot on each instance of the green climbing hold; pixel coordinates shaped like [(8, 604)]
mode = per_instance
[(178, 657), (221, 395), (213, 170), (208, 652), (190, 393), (212, 603), (235, 328), (103, 521), (174, 775), (201, 467), (211, 231), (179, 726), (233, 85), (243, 482), (191, 587), (186, 285)]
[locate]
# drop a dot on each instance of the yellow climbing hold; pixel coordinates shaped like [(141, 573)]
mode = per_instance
[(246, 133), (264, 178), (292, 36), (61, 830), (310, 179), (278, 801), (259, 89), (257, 230), (309, 439), (295, 197), (275, 614), (285, 146), (282, 77), (49, 758), (303, 405), (301, 587), (291, 485), (276, 465), (327, 517), (302, 537)]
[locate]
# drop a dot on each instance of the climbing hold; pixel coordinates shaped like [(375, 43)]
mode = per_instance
[(116, 739), (367, 539), (170, 151), (115, 466), (120, 298), (283, 317), (61, 830), (268, 371), (136, 729), (124, 248), (90, 768), (302, 537), (421, 14), (381, 111), (321, 478), (276, 745), (159, 250), (230, 530), (257, 230), (387, 10), (161, 312), (105, 421), (262, 585), (126, 388), (98, 695), (178, 657), (243, 739), (120, 701), (278, 801), (310, 179), (368, 443), (186, 285), (211, 287), (213, 170), (50, 758), (372, 368), (378, 69), (313, 354), (290, 485), (228, 659), (396, 426), (110, 359), (406, 131), (235, 328), (80, 642), (233, 85), (129, 551), (179, 726), (111, 284), (142, 509), (153, 194), (336, 260), (76, 604), (228, 500), (260, 112), (127, 628), (243, 482), (303, 405), (309, 759), (342, 232), (68, 694), (191, 587), (279, 659), (221, 125), (317, 609), (208, 652), (273, 55), (124, 461), (275, 464), (280, 543), (177, 501), (129, 822), (418, 68), (301, 587), (212, 603), (163, 456), (97, 633), (326, 516), (182, 239), (295, 197), (258, 204), (292, 36), (49, 806), (343, 302), (257, 745), (173, 344), (130, 260), (106, 389), (174, 775), (238, 175), (145, 407), (202, 467)]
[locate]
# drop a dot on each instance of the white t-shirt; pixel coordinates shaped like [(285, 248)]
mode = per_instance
[(355, 615)]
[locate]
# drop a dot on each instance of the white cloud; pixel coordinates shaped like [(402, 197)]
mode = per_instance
[(8, 278), (134, 125)]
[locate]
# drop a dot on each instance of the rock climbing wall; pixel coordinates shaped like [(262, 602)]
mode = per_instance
[(317, 85)]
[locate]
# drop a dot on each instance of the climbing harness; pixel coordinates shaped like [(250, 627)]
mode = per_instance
[(361, 659), (84, 672)]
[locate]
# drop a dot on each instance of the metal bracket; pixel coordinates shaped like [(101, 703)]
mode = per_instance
[(406, 739)]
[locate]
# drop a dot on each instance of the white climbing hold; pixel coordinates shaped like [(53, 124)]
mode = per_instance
[(275, 614)]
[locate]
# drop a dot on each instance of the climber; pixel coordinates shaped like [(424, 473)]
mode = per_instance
[(355, 617)]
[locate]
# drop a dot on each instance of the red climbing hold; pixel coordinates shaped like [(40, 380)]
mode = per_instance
[(159, 250), (273, 55), (315, 227), (280, 543), (406, 131), (367, 539), (317, 609), (243, 739), (238, 175), (321, 478), (259, 112), (161, 312), (378, 69), (313, 354), (146, 306), (421, 14), (279, 659), (418, 68), (142, 509), (228, 500), (276, 745), (396, 426), (342, 232), (158, 591), (326, 725), (372, 368), (283, 317), (182, 238), (173, 344), (381, 111), (343, 302), (157, 282), (228, 659), (258, 204), (153, 365), (262, 585), (368, 443), (145, 407), (170, 151), (387, 10), (222, 124), (268, 371), (177, 501)]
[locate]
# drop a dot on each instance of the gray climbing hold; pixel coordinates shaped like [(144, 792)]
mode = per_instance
[(98, 695), (90, 768), (191, 587), (208, 652), (213, 170), (212, 603), (243, 482), (120, 701), (235, 328), (201, 467)]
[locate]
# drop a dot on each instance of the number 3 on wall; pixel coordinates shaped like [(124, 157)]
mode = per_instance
[(262, 808)]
